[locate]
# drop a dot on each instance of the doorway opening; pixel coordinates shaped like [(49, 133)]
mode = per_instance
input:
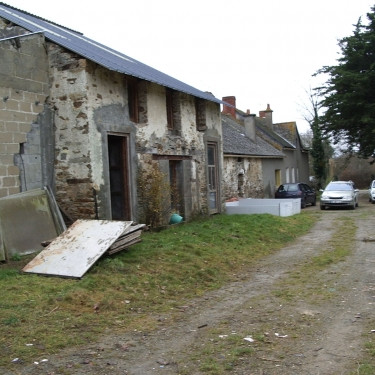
[(118, 156)]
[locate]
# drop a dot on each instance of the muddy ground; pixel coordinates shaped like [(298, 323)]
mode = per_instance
[(253, 316)]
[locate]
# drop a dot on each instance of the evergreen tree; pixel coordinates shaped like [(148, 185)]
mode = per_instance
[(349, 93), (318, 154), (320, 149)]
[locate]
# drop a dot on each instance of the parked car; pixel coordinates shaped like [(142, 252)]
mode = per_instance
[(297, 190), (371, 192), (339, 194)]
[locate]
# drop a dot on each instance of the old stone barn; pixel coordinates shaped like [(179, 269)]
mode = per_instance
[(102, 129)]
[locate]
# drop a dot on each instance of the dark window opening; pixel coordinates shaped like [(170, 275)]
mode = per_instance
[(119, 177)]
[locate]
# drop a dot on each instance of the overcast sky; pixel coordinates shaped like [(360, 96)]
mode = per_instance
[(260, 51)]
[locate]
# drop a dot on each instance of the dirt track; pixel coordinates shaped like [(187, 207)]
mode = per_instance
[(301, 337)]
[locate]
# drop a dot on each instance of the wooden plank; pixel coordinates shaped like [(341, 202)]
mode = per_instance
[(136, 240)]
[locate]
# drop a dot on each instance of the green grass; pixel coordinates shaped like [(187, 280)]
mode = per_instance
[(126, 291)]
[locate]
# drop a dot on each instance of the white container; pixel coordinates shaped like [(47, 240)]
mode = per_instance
[(278, 207)]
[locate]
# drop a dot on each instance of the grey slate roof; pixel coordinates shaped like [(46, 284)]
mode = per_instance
[(235, 142), (274, 136), (102, 55), (277, 133)]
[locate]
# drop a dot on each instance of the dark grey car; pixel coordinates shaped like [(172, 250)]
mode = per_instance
[(297, 190)]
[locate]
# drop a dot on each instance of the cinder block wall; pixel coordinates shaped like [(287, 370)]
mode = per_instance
[(23, 90)]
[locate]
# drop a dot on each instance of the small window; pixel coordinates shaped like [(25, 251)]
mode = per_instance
[(133, 101), (213, 183)]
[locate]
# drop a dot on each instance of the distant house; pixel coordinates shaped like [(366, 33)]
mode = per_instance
[(258, 154), (84, 119)]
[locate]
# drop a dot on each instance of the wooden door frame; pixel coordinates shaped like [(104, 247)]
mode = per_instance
[(125, 162)]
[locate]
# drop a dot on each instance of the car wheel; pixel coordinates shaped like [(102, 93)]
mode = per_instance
[(322, 207), (313, 202), (303, 203)]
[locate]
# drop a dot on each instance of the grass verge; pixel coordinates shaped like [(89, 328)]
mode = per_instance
[(41, 315)]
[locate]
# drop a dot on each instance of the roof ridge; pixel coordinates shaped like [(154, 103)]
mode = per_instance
[(41, 18)]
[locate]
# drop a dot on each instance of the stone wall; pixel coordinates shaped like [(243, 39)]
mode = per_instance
[(57, 111), (89, 102), (243, 179)]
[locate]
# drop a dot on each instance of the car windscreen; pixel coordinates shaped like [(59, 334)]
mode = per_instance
[(291, 187), (332, 187)]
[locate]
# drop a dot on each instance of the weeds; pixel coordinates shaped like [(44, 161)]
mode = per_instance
[(154, 196), (303, 284), (335, 250)]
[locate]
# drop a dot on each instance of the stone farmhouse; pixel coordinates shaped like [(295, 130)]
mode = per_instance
[(90, 123), (85, 119), (258, 154)]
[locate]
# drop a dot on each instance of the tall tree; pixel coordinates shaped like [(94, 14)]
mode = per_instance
[(348, 96), (320, 148)]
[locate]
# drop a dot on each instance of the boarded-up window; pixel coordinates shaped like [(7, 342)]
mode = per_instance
[(133, 100), (200, 114), (176, 183), (173, 110)]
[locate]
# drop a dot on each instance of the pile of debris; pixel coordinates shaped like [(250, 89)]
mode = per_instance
[(73, 252), (130, 236)]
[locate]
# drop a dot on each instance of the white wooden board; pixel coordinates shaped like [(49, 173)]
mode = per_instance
[(77, 249)]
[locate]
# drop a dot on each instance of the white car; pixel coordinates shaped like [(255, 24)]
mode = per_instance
[(371, 192), (339, 194)]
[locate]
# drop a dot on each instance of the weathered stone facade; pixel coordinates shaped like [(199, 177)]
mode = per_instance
[(71, 115), (243, 178)]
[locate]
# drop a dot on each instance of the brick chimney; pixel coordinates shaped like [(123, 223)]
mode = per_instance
[(267, 114), (227, 109)]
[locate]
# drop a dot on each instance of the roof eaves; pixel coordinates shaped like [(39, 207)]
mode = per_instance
[(254, 156), (98, 53)]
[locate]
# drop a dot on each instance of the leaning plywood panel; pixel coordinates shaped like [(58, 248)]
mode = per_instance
[(77, 249), (27, 219)]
